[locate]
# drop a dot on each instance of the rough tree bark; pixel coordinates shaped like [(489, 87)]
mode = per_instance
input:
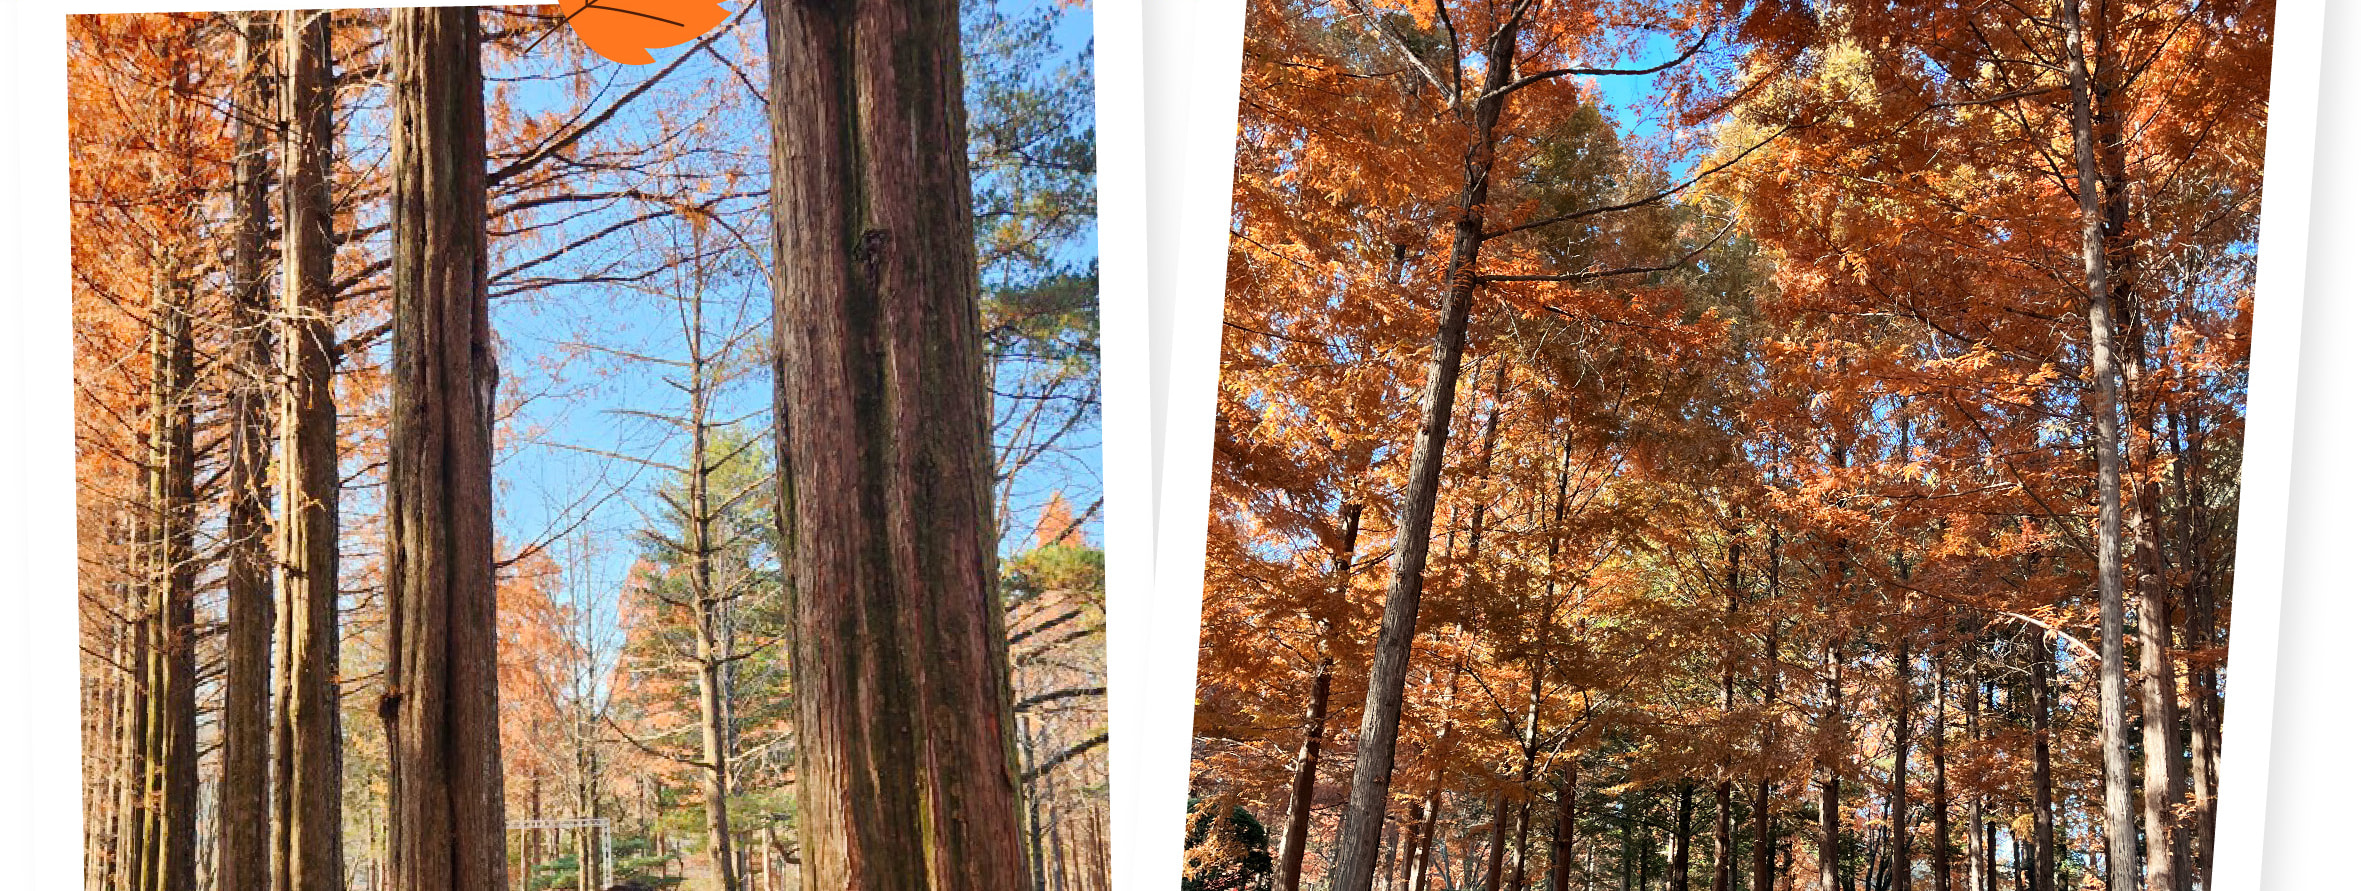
[(307, 804), (441, 705), (243, 860), (1315, 722), (708, 603), (130, 811), (1831, 788), (1939, 808), (1498, 843), (2198, 633), (2045, 828), (1381, 715), (1423, 864), (2165, 775), (2107, 532), (1680, 836), (1561, 848), (906, 774), (1725, 851), (169, 763), (1898, 790), (1979, 843), (1763, 872)]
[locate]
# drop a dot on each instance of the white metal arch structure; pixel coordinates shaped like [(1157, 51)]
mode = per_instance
[(606, 844)]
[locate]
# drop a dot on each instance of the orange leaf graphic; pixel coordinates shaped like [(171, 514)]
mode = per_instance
[(624, 30)]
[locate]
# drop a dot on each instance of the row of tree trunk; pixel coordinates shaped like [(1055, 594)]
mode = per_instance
[(906, 726), (2102, 187)]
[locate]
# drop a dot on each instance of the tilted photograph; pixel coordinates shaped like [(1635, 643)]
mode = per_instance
[(1730, 444)]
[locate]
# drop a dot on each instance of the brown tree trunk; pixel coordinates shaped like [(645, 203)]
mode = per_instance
[(1423, 866), (1516, 868), (2198, 634), (441, 705), (243, 860), (1381, 715), (1725, 852), (168, 758), (1307, 766), (906, 772), (2115, 744), (1940, 806), (307, 850), (1680, 836), (1414, 864), (1763, 873), (1499, 843), (103, 751), (1831, 788), (712, 650), (1979, 849), (2045, 830), (1561, 852), (1898, 790), (2165, 778), (1315, 723), (131, 803)]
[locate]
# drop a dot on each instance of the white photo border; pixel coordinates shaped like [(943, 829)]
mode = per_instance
[(1195, 364)]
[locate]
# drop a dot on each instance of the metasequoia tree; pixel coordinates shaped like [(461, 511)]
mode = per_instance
[(148, 150), (249, 614), (905, 741), (708, 555), (441, 704), (1508, 41), (308, 811)]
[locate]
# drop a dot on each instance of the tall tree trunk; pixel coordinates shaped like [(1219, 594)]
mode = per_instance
[(307, 850), (1421, 840), (1831, 782), (131, 805), (1381, 714), (1898, 791), (1306, 776), (1393, 850), (1763, 872), (1434, 795), (244, 857), (103, 753), (906, 771), (2045, 829), (2165, 778), (169, 761), (1315, 722), (1516, 870), (1680, 836), (1980, 859), (1940, 806), (1725, 852), (2198, 634), (2165, 774), (1498, 844), (2115, 745), (712, 648), (1561, 851), (441, 706), (1991, 859)]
